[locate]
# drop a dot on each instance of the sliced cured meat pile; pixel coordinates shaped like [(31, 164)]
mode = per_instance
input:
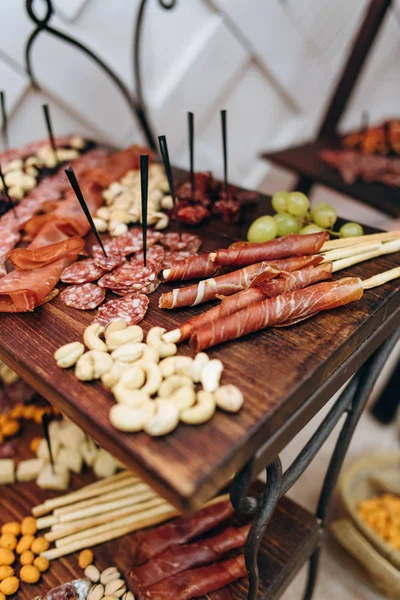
[(110, 262), (127, 244), (354, 166), (32, 258), (83, 297), (155, 254), (288, 308), (131, 277), (83, 271), (132, 308)]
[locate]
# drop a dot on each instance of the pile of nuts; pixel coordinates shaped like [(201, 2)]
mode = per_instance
[(21, 175), (123, 201), (107, 584), (153, 386), (19, 538)]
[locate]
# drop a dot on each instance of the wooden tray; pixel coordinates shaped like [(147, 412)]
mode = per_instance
[(286, 376)]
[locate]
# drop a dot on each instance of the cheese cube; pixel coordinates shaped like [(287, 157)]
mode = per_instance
[(58, 480), (6, 471), (70, 435), (89, 451), (104, 465), (43, 451), (28, 470), (70, 458)]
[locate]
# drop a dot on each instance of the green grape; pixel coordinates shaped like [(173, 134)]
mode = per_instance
[(297, 204), (279, 200), (324, 215), (262, 229), (351, 230), (312, 228), (287, 224)]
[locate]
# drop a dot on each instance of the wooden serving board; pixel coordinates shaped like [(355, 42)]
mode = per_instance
[(279, 371), (281, 554)]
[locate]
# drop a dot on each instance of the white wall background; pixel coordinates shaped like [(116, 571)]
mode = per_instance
[(271, 63)]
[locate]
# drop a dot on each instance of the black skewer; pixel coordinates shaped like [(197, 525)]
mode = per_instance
[(144, 182), (225, 150), (6, 192), (47, 118), (45, 424), (75, 186), (167, 166), (191, 151), (4, 120)]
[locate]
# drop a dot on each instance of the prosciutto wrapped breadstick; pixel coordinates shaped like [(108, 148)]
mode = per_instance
[(152, 543), (193, 267), (230, 283), (187, 556), (245, 253), (197, 582), (262, 287), (288, 308)]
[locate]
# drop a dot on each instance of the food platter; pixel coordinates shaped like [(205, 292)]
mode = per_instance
[(286, 375)]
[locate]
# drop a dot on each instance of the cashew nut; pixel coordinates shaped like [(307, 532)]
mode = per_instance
[(130, 397), (154, 339), (229, 398), (165, 419), (183, 397), (116, 228), (167, 203), (184, 366), (92, 365), (200, 361), (211, 375), (112, 377), (91, 337), (133, 378), (128, 352), (67, 355), (150, 354), (116, 325), (163, 220), (119, 337), (202, 411), (103, 213), (127, 418), (100, 224), (168, 366), (153, 376), (173, 383)]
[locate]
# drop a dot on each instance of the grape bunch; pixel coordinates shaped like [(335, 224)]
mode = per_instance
[(293, 215)]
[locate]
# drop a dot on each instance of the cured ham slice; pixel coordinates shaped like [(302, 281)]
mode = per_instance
[(288, 308), (148, 544), (228, 284), (22, 291), (262, 287), (246, 253), (197, 582), (186, 557), (28, 258), (194, 267)]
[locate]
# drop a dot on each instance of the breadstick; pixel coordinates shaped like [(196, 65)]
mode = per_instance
[(129, 490), (350, 250), (165, 509), (107, 485), (45, 522), (381, 278), (387, 248), (385, 236), (82, 524)]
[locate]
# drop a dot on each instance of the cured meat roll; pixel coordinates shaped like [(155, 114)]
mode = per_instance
[(148, 544), (246, 253), (186, 557), (197, 582), (194, 267), (288, 308), (262, 287), (228, 284)]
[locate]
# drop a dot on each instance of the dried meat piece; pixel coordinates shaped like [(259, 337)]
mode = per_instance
[(192, 214), (189, 242), (83, 297), (132, 275), (132, 308), (228, 208), (109, 262), (83, 271)]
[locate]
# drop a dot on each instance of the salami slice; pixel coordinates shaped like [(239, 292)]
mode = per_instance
[(83, 297), (189, 242), (110, 262), (155, 254), (132, 275), (147, 289), (176, 256), (83, 271), (130, 242), (132, 308)]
